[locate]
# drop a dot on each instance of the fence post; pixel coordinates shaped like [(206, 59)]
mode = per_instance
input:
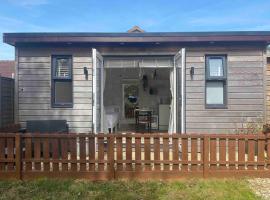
[(268, 149), (205, 156), (18, 155), (111, 156)]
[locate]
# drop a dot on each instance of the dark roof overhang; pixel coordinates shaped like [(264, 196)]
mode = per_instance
[(155, 37)]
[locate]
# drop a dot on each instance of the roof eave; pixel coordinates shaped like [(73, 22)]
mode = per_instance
[(14, 39)]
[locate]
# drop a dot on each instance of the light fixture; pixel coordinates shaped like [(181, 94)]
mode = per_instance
[(191, 72), (85, 71)]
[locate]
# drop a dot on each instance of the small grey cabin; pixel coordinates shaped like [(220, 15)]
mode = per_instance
[(189, 82)]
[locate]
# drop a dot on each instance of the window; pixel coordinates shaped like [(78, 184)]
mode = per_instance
[(216, 81), (62, 92)]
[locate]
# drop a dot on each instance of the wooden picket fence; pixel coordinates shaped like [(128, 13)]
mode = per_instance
[(138, 156)]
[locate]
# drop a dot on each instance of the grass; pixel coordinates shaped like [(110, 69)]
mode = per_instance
[(80, 189)]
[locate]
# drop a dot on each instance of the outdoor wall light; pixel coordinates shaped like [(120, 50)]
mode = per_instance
[(85, 71), (192, 72)]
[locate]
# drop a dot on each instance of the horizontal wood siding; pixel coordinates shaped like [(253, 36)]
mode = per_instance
[(267, 81), (34, 86), (245, 91), (245, 86)]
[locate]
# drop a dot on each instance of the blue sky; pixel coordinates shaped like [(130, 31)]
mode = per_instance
[(120, 15)]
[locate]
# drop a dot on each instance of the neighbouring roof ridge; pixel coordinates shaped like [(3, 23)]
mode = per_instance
[(136, 29)]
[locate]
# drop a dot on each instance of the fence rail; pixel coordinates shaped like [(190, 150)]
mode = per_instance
[(140, 156)]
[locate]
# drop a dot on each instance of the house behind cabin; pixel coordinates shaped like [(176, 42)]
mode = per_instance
[(7, 68)]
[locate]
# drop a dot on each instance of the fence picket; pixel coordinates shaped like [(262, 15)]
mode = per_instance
[(166, 153), (241, 153), (185, 154), (64, 153), (10, 153), (268, 149), (92, 153), (205, 156), (55, 153), (129, 153), (157, 153), (111, 168), (73, 153), (261, 149), (46, 154), (175, 153), (138, 153), (232, 150), (251, 154), (147, 164), (101, 153), (213, 153), (37, 152), (200, 167), (119, 147), (82, 154), (194, 156), (28, 153), (222, 153), (18, 156)]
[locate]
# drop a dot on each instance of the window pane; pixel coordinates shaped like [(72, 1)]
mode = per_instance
[(63, 92), (214, 93), (62, 68), (215, 67)]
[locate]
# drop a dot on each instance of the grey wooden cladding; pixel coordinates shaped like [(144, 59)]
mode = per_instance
[(245, 86), (47, 100), (267, 93), (34, 86), (83, 94), (6, 101), (232, 89), (245, 93), (45, 106)]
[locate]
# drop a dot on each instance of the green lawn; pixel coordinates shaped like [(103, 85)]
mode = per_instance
[(79, 189)]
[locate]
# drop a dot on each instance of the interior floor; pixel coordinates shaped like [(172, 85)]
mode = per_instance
[(128, 90)]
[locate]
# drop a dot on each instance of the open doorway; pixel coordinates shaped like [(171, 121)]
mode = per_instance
[(129, 91)]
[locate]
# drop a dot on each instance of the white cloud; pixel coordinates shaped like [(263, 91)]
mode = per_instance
[(29, 3), (263, 27), (9, 24)]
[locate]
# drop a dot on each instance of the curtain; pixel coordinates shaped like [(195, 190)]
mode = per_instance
[(172, 110)]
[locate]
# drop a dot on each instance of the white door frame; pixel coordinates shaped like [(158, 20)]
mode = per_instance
[(183, 90), (179, 56), (97, 57)]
